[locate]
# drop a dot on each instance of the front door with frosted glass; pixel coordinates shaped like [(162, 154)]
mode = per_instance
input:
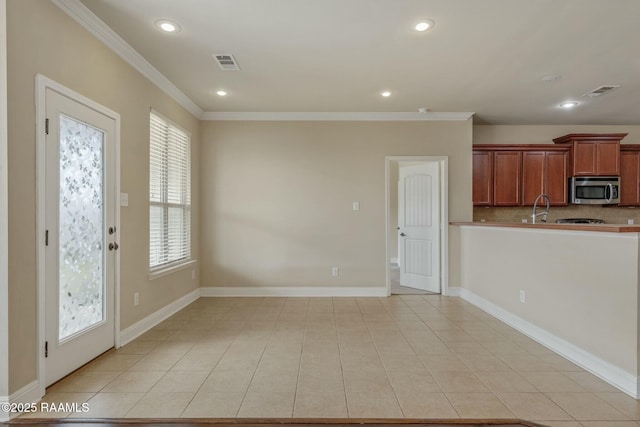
[(80, 241)]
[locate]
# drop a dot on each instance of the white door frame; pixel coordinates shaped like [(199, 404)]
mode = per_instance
[(42, 83), (4, 215), (444, 215)]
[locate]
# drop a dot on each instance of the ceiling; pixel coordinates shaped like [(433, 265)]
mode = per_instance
[(487, 57)]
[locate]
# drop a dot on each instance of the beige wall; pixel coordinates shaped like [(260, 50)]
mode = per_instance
[(568, 292), (544, 134), (276, 197), (42, 39)]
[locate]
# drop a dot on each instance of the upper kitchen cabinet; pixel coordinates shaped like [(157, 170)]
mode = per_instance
[(515, 174), (545, 172), (496, 176), (507, 178), (630, 175), (594, 154), (482, 178)]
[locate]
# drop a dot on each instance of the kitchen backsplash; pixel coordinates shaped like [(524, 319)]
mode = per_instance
[(610, 214)]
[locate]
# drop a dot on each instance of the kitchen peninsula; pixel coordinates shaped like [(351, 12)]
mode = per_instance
[(571, 287)]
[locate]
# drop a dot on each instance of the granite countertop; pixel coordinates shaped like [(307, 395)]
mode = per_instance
[(608, 228)]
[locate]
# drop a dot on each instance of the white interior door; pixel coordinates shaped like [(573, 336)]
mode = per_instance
[(419, 226), (80, 229)]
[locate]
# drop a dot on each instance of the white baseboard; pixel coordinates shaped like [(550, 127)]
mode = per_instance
[(606, 371), (142, 326), (26, 395), (286, 291)]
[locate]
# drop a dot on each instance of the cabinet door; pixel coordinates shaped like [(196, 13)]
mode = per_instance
[(557, 177), (608, 155), (629, 178), (482, 178), (506, 178), (533, 176), (584, 158)]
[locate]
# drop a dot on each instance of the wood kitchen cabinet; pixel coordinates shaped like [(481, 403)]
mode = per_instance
[(545, 172), (496, 177), (482, 178), (594, 154), (515, 174), (507, 178), (630, 175)]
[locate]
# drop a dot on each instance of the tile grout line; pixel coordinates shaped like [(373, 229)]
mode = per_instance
[(244, 397), (304, 339), (430, 373), (210, 372)]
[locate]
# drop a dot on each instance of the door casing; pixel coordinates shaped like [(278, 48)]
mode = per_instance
[(444, 215), (42, 83)]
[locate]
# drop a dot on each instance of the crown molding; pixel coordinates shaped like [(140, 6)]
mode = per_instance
[(88, 20), (335, 116), (81, 14)]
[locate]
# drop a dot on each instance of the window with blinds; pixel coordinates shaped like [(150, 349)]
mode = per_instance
[(169, 195)]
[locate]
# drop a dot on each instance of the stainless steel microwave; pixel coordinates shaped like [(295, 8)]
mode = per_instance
[(594, 190)]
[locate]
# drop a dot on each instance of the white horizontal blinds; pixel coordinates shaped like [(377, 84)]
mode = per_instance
[(169, 194)]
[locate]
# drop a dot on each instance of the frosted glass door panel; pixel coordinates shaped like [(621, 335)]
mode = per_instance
[(81, 233)]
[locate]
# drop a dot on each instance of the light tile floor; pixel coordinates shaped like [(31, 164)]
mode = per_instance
[(418, 356)]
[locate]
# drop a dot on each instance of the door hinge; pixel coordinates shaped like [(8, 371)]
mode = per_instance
[(46, 349), (46, 126), (46, 238)]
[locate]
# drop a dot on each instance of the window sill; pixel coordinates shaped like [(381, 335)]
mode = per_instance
[(156, 274)]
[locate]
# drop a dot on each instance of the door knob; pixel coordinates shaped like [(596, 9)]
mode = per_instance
[(402, 234)]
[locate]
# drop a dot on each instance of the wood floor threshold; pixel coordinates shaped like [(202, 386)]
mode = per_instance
[(274, 422)]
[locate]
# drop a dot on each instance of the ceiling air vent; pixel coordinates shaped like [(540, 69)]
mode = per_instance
[(599, 91), (226, 62)]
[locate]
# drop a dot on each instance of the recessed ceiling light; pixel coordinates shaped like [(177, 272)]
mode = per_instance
[(385, 93), (167, 26), (424, 25), (222, 93), (569, 104)]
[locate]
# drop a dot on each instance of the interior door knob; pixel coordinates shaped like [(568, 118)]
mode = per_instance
[(402, 234)]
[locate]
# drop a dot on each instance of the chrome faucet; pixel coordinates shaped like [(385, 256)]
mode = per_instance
[(544, 213)]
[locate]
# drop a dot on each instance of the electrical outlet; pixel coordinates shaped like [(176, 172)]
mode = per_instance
[(136, 299), (335, 271), (629, 221), (356, 206), (523, 297)]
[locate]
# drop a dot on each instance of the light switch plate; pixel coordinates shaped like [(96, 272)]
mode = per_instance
[(356, 206), (124, 199)]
